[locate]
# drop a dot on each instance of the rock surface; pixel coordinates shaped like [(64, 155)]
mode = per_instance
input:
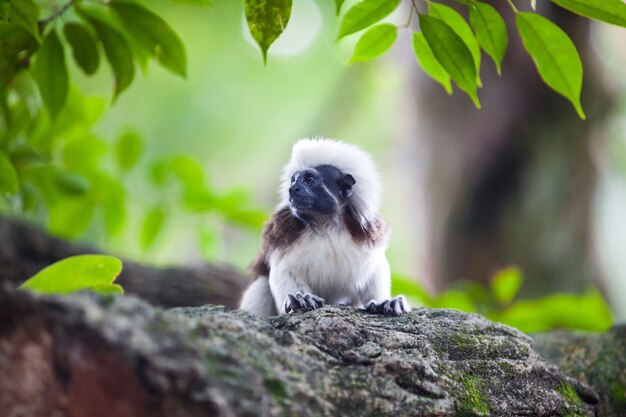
[(598, 360), (86, 355)]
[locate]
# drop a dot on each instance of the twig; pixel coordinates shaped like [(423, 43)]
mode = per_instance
[(513, 6), (413, 9), (59, 12)]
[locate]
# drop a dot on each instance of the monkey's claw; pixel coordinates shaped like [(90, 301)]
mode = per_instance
[(397, 306), (302, 302)]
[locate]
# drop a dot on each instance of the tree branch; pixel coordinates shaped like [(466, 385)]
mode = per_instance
[(25, 250)]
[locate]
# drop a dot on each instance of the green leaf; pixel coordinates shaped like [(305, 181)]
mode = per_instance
[(69, 217), (50, 73), (105, 188), (610, 11), (152, 225), (267, 19), (454, 20), (452, 54), (84, 48), (427, 60), (72, 183), (458, 300), (490, 31), (505, 284), (208, 243), (16, 43), (365, 13), (189, 172), (116, 49), (338, 4), (8, 177), (409, 287), (557, 311), (26, 14), (374, 42), (555, 56), (128, 150), (154, 34), (108, 289), (114, 216), (158, 173), (83, 153), (82, 272)]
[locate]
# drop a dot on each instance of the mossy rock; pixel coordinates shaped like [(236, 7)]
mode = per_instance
[(107, 356)]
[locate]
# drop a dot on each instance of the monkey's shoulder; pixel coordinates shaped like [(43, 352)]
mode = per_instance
[(371, 232), (281, 231)]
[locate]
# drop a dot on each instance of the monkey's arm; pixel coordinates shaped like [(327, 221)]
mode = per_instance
[(376, 296), (291, 294)]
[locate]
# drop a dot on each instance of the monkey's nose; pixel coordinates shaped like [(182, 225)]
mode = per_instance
[(295, 190)]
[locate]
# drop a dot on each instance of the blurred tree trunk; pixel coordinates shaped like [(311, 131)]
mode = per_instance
[(26, 249), (512, 183)]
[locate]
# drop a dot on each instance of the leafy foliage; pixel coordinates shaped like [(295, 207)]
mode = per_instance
[(588, 311), (128, 150), (128, 33), (116, 48), (364, 14), (267, 19), (153, 34), (8, 176), (452, 53), (554, 54), (506, 284), (490, 31), (26, 14), (76, 273), (610, 11), (454, 20), (50, 73), (446, 39), (429, 63), (53, 168), (84, 47), (375, 42)]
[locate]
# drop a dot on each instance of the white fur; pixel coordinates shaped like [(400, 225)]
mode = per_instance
[(330, 265), (309, 153), (258, 299)]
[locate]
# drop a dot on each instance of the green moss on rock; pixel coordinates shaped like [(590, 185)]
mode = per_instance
[(568, 393), (472, 401)]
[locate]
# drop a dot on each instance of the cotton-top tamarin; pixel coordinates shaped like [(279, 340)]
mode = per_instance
[(326, 241)]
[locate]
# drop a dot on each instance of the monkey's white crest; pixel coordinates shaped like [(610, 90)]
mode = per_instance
[(348, 158)]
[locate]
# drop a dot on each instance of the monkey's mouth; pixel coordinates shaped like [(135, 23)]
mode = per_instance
[(300, 199), (302, 207), (300, 203)]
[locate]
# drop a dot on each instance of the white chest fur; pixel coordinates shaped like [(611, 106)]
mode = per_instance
[(330, 263)]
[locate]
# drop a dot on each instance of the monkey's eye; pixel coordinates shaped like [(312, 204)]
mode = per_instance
[(293, 179), (309, 179)]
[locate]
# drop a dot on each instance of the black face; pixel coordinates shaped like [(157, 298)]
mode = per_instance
[(320, 191)]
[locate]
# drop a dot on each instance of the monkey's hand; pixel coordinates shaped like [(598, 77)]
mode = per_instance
[(397, 306), (302, 302)]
